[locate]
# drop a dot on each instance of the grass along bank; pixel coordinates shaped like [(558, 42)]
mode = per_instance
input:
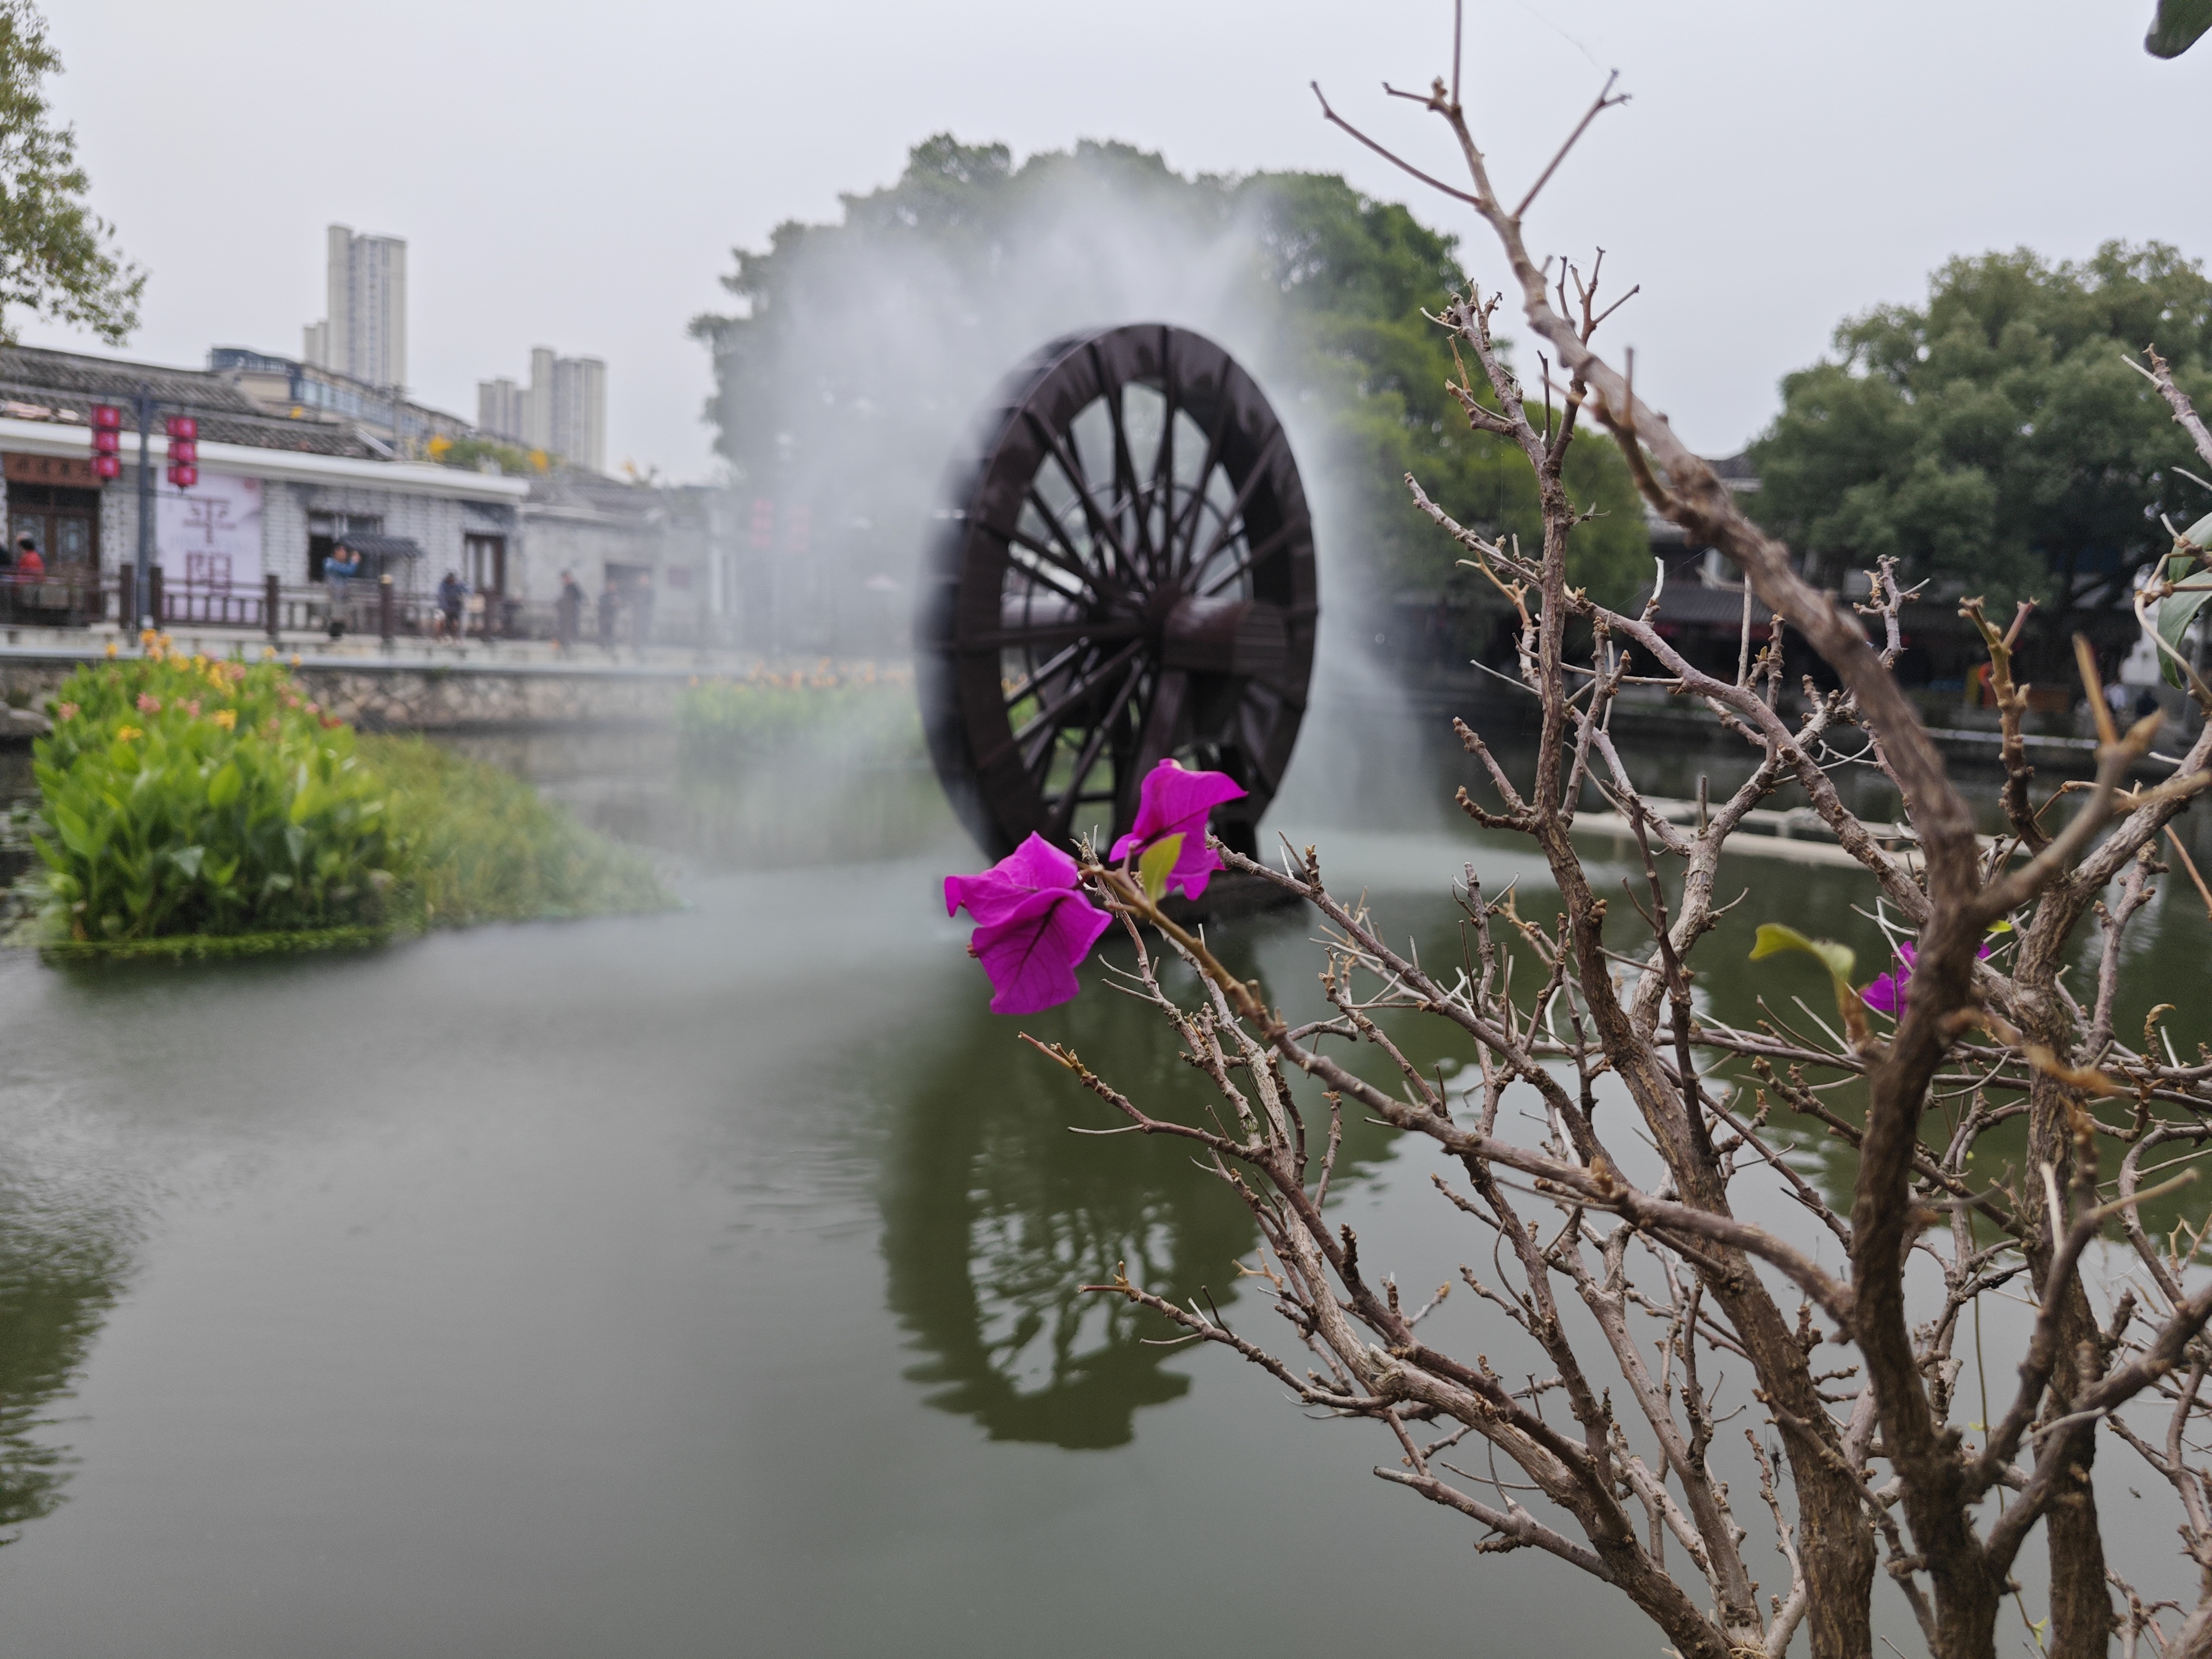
[(863, 716), (192, 800)]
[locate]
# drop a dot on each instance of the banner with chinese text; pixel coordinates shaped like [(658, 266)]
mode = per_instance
[(210, 535)]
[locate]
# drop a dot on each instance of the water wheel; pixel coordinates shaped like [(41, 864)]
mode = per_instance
[(1125, 572)]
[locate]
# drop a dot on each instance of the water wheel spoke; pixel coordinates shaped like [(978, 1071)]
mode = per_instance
[(1125, 468), (1070, 469), (1162, 491), (1253, 480), (1071, 562), (1087, 757), (1038, 676), (1178, 545), (1254, 555), (1082, 683), (1057, 632)]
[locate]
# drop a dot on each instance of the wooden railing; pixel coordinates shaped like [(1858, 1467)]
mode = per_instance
[(366, 607)]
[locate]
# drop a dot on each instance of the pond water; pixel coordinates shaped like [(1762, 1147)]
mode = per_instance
[(707, 1282)]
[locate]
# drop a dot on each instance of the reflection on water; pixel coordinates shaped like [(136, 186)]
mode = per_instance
[(59, 1274), (996, 1213)]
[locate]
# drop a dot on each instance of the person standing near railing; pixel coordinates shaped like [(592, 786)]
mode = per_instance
[(610, 606), (29, 566), (453, 599), (339, 569), (568, 614)]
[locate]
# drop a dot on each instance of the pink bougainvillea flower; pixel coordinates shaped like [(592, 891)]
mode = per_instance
[(66, 711), (1175, 802), (1886, 995), (149, 705), (1033, 924), (1035, 866)]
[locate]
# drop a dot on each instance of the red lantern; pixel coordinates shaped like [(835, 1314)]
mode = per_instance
[(183, 450), (106, 441)]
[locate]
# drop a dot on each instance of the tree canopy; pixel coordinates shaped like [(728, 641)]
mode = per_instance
[(861, 348), (58, 257), (1995, 438)]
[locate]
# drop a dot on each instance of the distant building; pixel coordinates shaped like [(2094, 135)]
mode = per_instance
[(499, 408), (300, 390), (365, 334), (564, 410)]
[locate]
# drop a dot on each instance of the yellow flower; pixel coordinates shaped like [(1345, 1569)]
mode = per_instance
[(124, 733), (269, 653), (295, 661), (226, 718), (111, 648)]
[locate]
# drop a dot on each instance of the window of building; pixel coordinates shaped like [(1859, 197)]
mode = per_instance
[(483, 564), (324, 530), (65, 522)]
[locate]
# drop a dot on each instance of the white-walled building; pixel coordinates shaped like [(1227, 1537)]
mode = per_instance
[(275, 493)]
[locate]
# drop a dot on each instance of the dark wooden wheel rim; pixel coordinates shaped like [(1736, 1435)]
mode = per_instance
[(1096, 599)]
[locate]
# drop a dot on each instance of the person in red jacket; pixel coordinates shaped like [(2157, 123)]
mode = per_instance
[(29, 566)]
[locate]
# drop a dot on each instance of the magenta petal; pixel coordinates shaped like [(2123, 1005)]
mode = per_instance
[(1887, 994), (1035, 866), (1175, 801), (1031, 953), (1884, 995)]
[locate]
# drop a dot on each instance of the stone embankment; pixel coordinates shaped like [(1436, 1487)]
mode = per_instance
[(478, 687)]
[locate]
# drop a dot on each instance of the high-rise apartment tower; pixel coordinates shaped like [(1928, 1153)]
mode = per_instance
[(365, 333), (562, 411)]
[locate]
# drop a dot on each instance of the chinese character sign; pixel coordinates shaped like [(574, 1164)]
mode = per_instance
[(210, 535)]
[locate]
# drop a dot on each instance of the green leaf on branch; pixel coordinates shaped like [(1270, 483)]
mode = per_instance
[(2177, 611), (2178, 27), (1839, 959), (1157, 863)]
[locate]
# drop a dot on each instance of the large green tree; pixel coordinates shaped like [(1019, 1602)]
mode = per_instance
[(859, 348), (1995, 438), (58, 257)]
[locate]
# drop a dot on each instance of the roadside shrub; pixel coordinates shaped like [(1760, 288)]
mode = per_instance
[(184, 795), (862, 717)]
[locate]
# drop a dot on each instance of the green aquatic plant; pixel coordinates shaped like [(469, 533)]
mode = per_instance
[(479, 844), (183, 795), (191, 807)]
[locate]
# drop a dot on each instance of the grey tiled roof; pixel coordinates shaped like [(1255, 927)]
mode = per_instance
[(1683, 603), (70, 380)]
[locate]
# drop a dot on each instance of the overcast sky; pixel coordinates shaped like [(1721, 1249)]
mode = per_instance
[(576, 175)]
